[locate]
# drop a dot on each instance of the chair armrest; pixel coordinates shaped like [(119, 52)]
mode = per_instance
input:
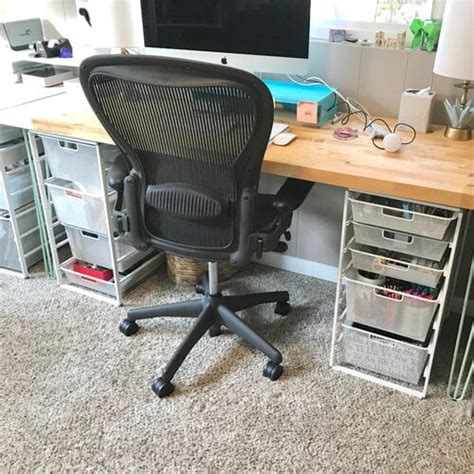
[(118, 172), (292, 194)]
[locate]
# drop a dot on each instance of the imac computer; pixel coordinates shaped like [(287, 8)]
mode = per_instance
[(255, 35)]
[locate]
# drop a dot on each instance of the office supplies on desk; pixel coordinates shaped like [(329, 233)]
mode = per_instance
[(284, 139), (416, 108), (46, 76), (290, 94), (52, 49), (18, 35), (277, 128)]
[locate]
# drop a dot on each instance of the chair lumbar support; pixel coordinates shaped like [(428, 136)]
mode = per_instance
[(211, 312)]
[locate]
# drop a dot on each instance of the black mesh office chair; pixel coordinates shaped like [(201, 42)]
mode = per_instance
[(192, 137)]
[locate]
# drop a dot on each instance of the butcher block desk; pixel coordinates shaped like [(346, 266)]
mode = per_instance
[(432, 169)]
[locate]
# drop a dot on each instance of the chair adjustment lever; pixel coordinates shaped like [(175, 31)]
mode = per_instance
[(259, 251), (122, 222)]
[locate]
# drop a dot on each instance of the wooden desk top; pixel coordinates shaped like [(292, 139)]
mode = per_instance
[(432, 169)]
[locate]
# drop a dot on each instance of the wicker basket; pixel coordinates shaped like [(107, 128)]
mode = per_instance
[(187, 271)]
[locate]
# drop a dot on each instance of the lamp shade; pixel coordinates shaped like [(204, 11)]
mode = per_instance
[(114, 23), (456, 48)]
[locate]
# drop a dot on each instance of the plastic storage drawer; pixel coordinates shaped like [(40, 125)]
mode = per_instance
[(30, 240), (383, 355), (365, 260), (78, 209), (412, 222), (102, 286), (399, 242), (409, 316), (78, 162), (94, 248), (7, 134), (16, 180)]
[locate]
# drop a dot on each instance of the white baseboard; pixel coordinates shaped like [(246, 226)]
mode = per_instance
[(299, 265)]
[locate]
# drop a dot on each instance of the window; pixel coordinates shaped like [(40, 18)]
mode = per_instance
[(376, 11), (367, 16)]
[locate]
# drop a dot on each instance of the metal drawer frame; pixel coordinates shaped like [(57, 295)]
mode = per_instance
[(345, 262), (120, 283)]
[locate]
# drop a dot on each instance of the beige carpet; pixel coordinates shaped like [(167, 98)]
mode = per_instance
[(75, 394)]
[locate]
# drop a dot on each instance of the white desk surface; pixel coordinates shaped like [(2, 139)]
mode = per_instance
[(15, 95)]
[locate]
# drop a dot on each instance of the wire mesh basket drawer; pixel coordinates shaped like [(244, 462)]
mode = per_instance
[(77, 209), (8, 134), (428, 221), (94, 248), (102, 286), (30, 242), (8, 251), (78, 162), (383, 355), (408, 316), (16, 175), (404, 270), (399, 242)]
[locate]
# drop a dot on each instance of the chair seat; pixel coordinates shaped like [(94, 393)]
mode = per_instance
[(265, 212)]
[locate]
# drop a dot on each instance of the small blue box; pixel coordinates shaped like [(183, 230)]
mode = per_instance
[(289, 94)]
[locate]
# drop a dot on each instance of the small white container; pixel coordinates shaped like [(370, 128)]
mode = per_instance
[(416, 109)]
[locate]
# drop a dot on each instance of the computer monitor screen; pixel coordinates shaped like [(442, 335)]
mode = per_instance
[(231, 29)]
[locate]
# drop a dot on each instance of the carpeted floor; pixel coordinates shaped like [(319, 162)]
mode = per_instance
[(75, 394)]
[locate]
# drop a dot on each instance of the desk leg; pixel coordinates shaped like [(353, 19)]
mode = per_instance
[(467, 364), (49, 269)]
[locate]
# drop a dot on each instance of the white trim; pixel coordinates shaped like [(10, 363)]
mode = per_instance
[(299, 265)]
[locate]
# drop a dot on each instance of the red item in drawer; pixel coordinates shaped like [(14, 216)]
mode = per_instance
[(100, 273)]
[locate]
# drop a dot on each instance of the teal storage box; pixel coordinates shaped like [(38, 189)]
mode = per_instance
[(289, 94)]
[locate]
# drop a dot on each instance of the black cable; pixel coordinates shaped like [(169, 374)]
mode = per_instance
[(409, 126)]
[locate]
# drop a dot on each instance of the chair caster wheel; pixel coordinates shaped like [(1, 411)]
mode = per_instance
[(128, 328), (200, 289), (162, 388), (272, 371), (282, 308), (215, 330)]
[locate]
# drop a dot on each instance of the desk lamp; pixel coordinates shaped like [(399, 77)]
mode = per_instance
[(455, 59), (114, 24)]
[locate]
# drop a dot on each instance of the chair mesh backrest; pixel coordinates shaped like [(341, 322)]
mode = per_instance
[(198, 133)]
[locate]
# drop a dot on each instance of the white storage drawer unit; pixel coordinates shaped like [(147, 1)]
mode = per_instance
[(78, 162), (78, 209), (383, 355), (7, 134), (94, 248), (30, 239), (433, 223), (16, 179), (409, 316), (399, 242), (364, 259)]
